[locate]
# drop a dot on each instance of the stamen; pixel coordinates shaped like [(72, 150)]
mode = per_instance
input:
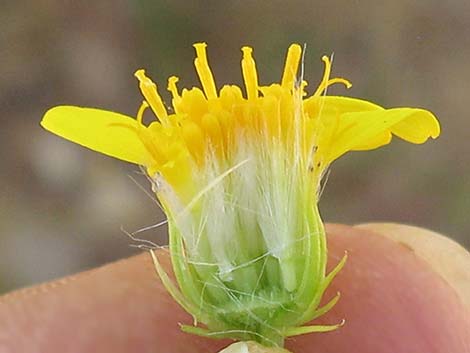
[(292, 64), (204, 71), (250, 76), (149, 91)]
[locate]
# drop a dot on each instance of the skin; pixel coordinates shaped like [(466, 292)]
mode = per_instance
[(404, 289)]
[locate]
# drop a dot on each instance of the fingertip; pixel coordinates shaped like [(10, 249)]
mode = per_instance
[(445, 256), (392, 300), (121, 307)]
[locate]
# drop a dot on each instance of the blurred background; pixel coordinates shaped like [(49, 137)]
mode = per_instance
[(62, 207)]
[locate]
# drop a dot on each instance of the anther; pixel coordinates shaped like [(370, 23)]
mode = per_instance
[(204, 72), (292, 64), (250, 76), (172, 81), (174, 92), (149, 91)]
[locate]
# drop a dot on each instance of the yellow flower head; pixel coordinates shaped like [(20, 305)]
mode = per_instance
[(238, 175)]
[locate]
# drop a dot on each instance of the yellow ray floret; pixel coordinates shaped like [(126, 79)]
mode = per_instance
[(211, 122), (99, 130)]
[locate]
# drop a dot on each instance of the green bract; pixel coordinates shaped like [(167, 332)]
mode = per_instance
[(249, 252)]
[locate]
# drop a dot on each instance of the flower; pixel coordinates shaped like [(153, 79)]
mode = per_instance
[(238, 177)]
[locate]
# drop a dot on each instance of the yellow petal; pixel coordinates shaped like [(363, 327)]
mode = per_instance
[(110, 133), (371, 129), (375, 142), (417, 127), (325, 107), (326, 112)]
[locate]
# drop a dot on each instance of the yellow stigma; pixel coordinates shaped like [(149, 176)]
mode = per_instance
[(326, 81), (140, 112)]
